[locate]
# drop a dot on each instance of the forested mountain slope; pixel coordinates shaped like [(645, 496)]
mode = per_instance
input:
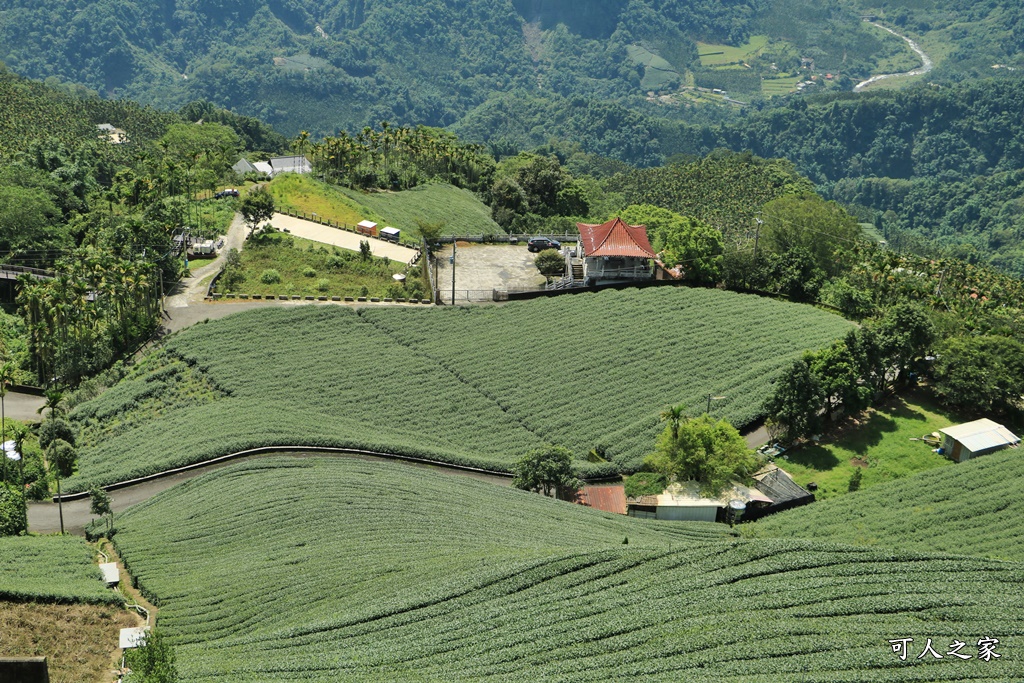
[(304, 64)]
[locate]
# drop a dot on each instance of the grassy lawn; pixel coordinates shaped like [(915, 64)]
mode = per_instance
[(311, 269), (461, 211), (879, 443), (730, 53), (305, 194)]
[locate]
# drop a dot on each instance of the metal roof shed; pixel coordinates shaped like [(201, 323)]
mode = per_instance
[(965, 441)]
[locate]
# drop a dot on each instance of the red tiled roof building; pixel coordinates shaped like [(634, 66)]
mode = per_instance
[(615, 252)]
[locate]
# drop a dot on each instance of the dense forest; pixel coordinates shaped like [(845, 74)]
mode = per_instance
[(345, 64)]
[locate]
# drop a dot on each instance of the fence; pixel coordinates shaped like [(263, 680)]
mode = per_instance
[(504, 238), (465, 296), (313, 218)]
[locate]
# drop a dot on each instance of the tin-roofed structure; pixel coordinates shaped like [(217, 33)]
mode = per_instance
[(775, 483), (965, 441)]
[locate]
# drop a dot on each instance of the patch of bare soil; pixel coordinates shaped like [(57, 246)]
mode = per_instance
[(78, 641)]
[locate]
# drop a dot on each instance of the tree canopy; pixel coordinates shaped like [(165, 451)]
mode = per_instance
[(546, 470), (702, 449)]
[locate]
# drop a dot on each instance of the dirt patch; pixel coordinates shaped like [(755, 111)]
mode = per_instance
[(78, 641), (859, 462)]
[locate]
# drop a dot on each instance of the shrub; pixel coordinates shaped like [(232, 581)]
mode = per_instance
[(323, 284), (12, 511), (309, 271), (270, 277), (855, 478), (645, 484)]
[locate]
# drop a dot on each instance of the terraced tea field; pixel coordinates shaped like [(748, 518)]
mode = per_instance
[(51, 569), (478, 386), (971, 508), (327, 570)]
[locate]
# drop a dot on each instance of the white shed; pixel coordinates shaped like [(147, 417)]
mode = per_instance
[(965, 441)]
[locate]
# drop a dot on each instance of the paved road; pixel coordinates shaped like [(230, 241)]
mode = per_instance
[(341, 238), (191, 290), (18, 406)]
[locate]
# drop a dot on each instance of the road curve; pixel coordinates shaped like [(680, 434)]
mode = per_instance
[(44, 517), (926, 61)]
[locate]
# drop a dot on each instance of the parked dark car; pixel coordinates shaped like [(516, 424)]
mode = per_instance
[(226, 193), (542, 243)]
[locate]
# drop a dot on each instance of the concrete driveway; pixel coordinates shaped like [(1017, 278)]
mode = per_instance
[(482, 268), (325, 234)]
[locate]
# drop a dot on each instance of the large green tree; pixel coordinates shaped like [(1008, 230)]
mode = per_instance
[(981, 375), (546, 470), (704, 450), (811, 223), (680, 240), (797, 402)]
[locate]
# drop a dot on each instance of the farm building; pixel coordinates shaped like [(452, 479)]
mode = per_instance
[(275, 166), (776, 484), (242, 166), (114, 136), (682, 502), (965, 441), (615, 252), (293, 164)]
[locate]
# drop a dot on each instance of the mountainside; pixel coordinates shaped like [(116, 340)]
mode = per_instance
[(971, 508), (320, 66), (394, 375), (327, 570)]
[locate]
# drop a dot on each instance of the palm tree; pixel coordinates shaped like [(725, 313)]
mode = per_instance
[(54, 403), (673, 415)]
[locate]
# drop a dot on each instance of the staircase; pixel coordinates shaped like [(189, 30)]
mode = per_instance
[(577, 271)]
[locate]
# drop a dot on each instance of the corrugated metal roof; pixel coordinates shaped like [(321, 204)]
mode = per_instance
[(776, 483), (615, 238), (607, 498), (981, 435)]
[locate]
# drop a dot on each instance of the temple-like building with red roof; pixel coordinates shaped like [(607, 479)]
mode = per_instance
[(615, 252)]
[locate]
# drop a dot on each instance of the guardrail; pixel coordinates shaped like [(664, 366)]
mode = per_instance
[(505, 238)]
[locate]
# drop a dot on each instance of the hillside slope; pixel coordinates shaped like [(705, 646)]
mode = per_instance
[(972, 508), (479, 386), (326, 570)]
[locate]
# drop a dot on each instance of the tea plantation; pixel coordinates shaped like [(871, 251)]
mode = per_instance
[(971, 508), (478, 386), (286, 569), (51, 569)]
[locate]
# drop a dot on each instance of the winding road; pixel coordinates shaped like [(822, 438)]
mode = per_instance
[(926, 62)]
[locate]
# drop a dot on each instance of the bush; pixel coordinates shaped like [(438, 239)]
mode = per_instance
[(53, 429), (323, 284), (645, 484), (855, 478), (309, 271), (12, 511), (270, 277)]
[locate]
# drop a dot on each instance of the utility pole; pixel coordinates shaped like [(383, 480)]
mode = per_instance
[(712, 398), (757, 233), (453, 271)]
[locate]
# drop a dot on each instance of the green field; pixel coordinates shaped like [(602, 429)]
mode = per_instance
[(310, 269), (479, 385), (879, 444), (718, 55), (657, 71), (51, 569), (779, 86), (970, 508), (459, 209), (327, 570), (303, 194)]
